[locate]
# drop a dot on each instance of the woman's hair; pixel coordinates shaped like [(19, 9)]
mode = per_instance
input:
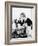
[(23, 14)]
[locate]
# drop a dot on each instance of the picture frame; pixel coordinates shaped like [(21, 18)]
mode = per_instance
[(12, 7)]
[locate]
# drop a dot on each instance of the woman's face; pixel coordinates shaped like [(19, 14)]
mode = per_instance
[(21, 15)]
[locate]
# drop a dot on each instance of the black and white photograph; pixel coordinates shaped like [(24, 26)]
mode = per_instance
[(22, 24)]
